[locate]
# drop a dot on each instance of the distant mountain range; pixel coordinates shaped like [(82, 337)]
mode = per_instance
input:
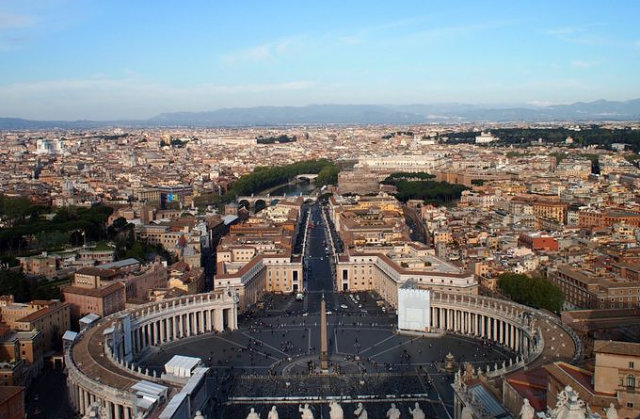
[(600, 110)]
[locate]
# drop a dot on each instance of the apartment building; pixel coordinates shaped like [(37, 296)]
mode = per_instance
[(540, 206), (538, 241), (387, 268), (183, 277), (256, 256), (94, 290), (595, 289), (593, 218), (49, 317)]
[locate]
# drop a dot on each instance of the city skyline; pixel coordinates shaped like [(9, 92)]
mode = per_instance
[(73, 60)]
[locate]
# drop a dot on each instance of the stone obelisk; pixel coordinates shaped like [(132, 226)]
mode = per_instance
[(324, 354)]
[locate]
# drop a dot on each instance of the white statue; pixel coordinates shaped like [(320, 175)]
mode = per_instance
[(336, 411), (568, 405), (612, 413), (563, 397), (527, 411), (393, 412), (273, 413), (306, 411), (466, 413), (416, 412), (361, 412), (253, 415)]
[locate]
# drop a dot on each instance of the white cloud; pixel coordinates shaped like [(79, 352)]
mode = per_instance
[(585, 64), (258, 88), (265, 52), (580, 36), (136, 85), (11, 21), (540, 103), (103, 98)]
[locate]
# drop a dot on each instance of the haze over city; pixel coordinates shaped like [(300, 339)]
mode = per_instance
[(117, 60)]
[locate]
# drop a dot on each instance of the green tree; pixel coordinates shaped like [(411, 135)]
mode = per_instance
[(534, 292), (328, 176), (14, 283), (429, 191), (267, 177)]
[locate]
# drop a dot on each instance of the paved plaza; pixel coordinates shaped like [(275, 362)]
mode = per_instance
[(273, 357), (273, 348)]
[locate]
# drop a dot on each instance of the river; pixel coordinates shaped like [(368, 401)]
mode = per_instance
[(294, 189)]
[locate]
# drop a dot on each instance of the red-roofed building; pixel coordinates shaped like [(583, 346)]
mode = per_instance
[(538, 241)]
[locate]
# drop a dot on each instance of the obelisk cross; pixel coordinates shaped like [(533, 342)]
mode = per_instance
[(324, 355)]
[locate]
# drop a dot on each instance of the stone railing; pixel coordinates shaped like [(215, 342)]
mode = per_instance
[(140, 315), (93, 386), (528, 320), (157, 309)]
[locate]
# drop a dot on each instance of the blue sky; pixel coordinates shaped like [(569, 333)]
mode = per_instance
[(67, 59)]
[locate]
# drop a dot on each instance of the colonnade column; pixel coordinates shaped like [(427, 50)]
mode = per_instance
[(512, 336), (229, 319), (219, 320), (175, 327), (85, 400)]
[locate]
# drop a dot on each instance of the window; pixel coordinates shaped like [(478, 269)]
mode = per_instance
[(631, 365), (630, 405), (631, 381)]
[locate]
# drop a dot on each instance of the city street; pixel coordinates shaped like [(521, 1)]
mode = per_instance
[(318, 265), (47, 398)]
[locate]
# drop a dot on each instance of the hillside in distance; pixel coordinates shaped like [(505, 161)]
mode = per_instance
[(600, 110)]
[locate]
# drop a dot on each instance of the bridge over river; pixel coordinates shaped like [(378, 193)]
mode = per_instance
[(269, 200)]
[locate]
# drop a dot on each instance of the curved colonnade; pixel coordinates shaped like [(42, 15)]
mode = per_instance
[(100, 363), (529, 333)]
